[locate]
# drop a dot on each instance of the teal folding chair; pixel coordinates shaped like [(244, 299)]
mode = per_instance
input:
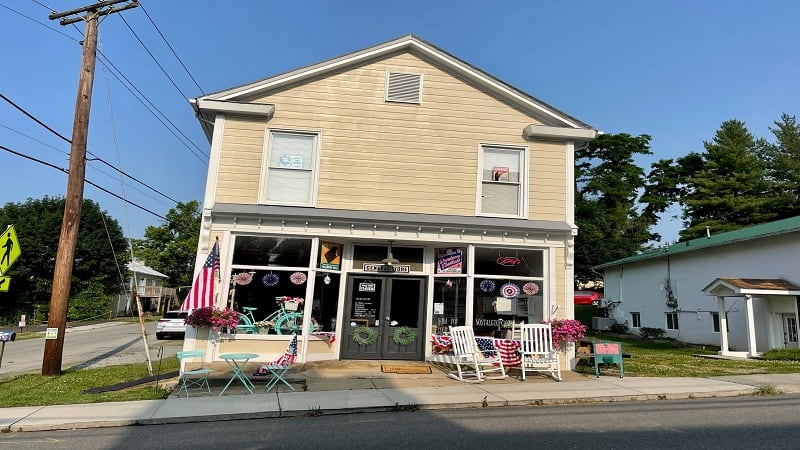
[(194, 379), (280, 366)]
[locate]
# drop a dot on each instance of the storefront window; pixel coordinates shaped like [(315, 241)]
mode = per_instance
[(326, 301), (271, 251), (262, 293), (509, 262), (496, 306), (449, 303)]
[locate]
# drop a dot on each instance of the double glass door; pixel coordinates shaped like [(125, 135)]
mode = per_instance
[(384, 318)]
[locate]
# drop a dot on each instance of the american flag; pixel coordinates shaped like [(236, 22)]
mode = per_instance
[(202, 292), (284, 361)]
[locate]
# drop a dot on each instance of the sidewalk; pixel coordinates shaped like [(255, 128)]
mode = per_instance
[(340, 387)]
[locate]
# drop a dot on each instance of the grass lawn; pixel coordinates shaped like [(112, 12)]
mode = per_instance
[(37, 390)]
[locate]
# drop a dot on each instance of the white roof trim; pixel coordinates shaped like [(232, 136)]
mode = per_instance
[(257, 109), (405, 42), (533, 131)]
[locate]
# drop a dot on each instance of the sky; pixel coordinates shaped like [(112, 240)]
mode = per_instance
[(674, 70)]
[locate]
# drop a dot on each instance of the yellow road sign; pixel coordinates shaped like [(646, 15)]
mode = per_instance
[(9, 249), (5, 282)]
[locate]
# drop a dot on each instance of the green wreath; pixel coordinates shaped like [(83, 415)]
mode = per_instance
[(364, 336), (404, 336)]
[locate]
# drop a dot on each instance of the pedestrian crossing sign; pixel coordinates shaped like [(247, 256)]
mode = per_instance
[(5, 282), (9, 249)]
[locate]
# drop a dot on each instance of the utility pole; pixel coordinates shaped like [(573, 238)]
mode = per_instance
[(59, 300)]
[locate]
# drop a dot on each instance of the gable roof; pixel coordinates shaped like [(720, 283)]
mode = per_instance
[(230, 99), (728, 287), (141, 269), (763, 230)]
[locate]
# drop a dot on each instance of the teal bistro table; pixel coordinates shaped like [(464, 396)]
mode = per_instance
[(237, 362)]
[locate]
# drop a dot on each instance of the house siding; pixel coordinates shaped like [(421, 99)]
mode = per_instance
[(639, 288), (394, 156)]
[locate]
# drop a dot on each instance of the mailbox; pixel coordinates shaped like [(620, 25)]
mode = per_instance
[(7, 336)]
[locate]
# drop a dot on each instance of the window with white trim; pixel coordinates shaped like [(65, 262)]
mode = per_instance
[(672, 321), (291, 165), (636, 320), (503, 180)]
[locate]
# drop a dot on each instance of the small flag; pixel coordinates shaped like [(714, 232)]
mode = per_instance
[(202, 292)]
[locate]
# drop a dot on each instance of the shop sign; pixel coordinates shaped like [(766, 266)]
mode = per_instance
[(366, 286), (330, 255), (449, 260), (508, 261), (400, 268)]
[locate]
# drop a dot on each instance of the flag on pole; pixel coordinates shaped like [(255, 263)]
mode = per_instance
[(202, 292)]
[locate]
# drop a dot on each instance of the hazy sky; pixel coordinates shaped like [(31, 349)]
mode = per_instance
[(673, 69)]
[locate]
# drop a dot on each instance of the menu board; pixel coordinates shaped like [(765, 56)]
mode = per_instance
[(364, 307)]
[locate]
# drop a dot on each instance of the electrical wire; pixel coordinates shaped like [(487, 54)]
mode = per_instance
[(141, 6), (69, 141)]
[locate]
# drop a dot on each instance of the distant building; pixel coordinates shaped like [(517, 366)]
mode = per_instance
[(737, 290)]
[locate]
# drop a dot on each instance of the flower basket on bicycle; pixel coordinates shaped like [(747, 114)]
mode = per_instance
[(290, 303)]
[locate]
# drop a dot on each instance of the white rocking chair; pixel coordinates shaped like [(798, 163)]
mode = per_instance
[(538, 354), (467, 353)]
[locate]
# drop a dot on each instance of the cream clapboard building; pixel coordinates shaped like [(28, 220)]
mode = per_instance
[(397, 190)]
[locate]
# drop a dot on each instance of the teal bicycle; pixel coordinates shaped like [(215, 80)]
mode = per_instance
[(285, 320)]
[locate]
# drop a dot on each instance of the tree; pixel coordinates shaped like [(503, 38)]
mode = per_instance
[(782, 160), (100, 253), (730, 190), (172, 247), (612, 220)]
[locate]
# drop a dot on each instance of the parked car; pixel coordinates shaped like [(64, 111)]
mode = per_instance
[(587, 298), (172, 323)]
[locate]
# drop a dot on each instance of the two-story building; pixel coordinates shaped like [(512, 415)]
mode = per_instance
[(398, 190)]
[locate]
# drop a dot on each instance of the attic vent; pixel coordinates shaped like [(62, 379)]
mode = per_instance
[(404, 87)]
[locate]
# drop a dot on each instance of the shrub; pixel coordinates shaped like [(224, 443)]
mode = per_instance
[(89, 303), (620, 328), (651, 333)]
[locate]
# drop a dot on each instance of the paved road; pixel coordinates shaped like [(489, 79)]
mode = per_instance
[(92, 346), (713, 423)]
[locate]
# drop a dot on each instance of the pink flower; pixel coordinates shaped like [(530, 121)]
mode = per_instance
[(214, 318), (567, 330)]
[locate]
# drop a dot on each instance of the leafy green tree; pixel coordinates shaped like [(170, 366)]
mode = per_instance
[(100, 253), (612, 220), (782, 160), (171, 248), (730, 190), (92, 302)]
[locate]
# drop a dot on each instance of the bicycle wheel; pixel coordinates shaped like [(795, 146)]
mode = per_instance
[(289, 323)]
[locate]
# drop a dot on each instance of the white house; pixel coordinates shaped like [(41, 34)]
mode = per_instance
[(738, 290)]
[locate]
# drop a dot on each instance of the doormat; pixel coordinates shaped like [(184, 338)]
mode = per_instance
[(406, 369)]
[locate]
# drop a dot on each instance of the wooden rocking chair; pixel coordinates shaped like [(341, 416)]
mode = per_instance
[(538, 354), (468, 354)]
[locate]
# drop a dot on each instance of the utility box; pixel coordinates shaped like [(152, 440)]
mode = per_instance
[(603, 323)]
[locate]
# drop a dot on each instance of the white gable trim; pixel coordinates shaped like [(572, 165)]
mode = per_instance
[(407, 42)]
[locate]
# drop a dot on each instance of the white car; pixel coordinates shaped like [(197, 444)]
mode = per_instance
[(172, 323)]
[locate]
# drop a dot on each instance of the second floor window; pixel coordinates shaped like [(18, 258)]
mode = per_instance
[(503, 180), (290, 168)]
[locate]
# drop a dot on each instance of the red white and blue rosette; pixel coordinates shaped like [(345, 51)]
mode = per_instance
[(530, 288), (509, 290)]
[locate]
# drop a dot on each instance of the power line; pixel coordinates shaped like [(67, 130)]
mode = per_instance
[(95, 157), (183, 96), (170, 47), (61, 169), (108, 61), (104, 59)]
